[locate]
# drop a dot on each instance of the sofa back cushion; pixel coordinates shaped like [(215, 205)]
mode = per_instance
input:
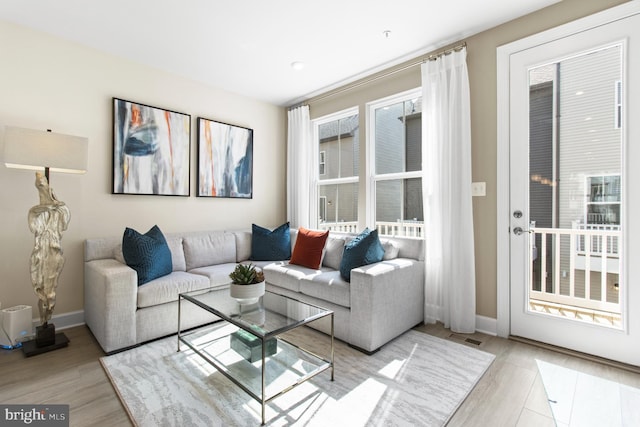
[(243, 245), (391, 249), (177, 253), (209, 248), (333, 252)]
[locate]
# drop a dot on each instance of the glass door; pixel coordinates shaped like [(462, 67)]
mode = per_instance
[(571, 202)]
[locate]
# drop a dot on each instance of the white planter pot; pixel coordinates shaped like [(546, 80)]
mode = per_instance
[(247, 294)]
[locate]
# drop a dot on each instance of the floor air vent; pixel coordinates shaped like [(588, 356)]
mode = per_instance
[(465, 339)]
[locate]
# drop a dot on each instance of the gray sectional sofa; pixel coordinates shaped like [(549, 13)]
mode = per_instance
[(382, 301)]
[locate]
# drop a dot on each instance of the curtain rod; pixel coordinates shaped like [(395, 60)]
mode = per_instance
[(431, 57)]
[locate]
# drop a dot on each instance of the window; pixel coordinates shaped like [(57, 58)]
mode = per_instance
[(322, 208), (394, 177), (603, 200), (321, 169), (338, 145), (396, 158)]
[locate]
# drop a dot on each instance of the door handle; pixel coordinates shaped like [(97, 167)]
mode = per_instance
[(519, 230)]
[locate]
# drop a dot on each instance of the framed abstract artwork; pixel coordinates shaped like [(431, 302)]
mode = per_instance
[(225, 160), (151, 150)]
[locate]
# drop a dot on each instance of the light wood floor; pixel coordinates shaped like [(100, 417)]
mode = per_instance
[(510, 393)]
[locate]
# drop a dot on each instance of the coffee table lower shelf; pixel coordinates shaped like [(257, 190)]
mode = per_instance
[(264, 379)]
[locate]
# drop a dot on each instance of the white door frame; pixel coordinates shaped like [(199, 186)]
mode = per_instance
[(503, 323)]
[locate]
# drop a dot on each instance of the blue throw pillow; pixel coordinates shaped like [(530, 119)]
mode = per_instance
[(267, 245), (148, 254), (375, 253), (364, 249)]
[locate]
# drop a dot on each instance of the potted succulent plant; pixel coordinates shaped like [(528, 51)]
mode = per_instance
[(247, 283)]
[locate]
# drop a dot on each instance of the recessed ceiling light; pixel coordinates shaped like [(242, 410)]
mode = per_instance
[(297, 65)]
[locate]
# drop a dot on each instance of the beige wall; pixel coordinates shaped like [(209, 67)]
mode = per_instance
[(46, 82), (481, 60)]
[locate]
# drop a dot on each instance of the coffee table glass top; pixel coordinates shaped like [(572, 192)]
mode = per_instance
[(272, 315)]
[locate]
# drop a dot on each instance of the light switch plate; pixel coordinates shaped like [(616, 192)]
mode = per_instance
[(478, 189)]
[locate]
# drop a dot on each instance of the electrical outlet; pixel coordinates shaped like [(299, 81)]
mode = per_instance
[(478, 189)]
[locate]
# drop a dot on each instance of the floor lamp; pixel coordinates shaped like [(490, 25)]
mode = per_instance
[(45, 152)]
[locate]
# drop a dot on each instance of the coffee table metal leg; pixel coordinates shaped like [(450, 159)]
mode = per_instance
[(263, 377), (332, 347), (179, 314)]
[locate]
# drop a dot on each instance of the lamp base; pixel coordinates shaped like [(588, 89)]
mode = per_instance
[(46, 340)]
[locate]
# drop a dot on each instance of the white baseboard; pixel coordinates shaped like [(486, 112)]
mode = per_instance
[(486, 325), (62, 321)]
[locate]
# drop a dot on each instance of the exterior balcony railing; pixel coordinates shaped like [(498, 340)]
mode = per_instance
[(577, 267), (407, 228)]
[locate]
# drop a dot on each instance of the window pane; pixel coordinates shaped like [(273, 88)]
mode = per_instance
[(340, 208), (399, 207), (575, 165), (339, 140), (398, 130)]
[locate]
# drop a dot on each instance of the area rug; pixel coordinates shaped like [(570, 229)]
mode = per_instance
[(578, 399), (416, 379)]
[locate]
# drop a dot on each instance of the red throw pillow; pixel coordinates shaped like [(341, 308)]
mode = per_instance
[(308, 249)]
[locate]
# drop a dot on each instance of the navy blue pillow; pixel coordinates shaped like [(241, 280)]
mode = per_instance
[(267, 245), (148, 254), (364, 249)]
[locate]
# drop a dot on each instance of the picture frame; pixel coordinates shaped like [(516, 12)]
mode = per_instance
[(151, 150), (225, 160)]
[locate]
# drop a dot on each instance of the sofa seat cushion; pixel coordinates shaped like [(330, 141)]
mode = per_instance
[(166, 288), (327, 286), (285, 275), (218, 275)]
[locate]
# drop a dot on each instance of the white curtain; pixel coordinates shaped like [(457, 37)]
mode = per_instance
[(299, 167), (450, 288)]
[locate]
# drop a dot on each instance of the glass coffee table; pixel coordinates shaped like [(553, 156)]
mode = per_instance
[(247, 346)]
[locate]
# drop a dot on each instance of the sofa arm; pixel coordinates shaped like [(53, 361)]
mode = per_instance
[(110, 302), (387, 299)]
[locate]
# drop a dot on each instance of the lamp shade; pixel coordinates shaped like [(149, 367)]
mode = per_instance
[(35, 149)]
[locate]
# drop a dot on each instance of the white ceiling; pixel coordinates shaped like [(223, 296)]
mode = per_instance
[(247, 46)]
